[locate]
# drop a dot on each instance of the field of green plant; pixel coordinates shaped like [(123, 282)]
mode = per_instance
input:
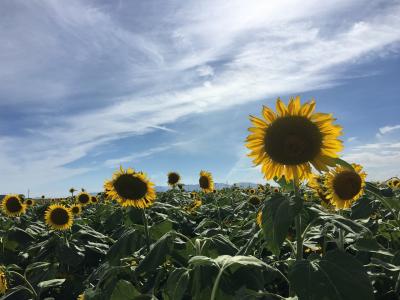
[(215, 250), (328, 235)]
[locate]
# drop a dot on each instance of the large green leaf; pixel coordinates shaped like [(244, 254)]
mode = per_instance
[(124, 290), (129, 242), (177, 283), (277, 216), (337, 276)]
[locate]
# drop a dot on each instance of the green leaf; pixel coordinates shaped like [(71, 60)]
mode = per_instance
[(177, 283), (157, 255), (370, 245), (337, 275), (158, 230), (129, 242), (343, 163), (201, 260), (277, 216), (50, 283), (124, 290)]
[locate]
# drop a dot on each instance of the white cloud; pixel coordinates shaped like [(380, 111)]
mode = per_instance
[(388, 129), (130, 79)]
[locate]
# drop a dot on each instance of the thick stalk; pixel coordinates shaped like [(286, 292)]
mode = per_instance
[(146, 230), (299, 237)]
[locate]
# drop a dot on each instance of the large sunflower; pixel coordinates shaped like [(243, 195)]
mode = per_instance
[(12, 206), (206, 182), (83, 198), (59, 217), (345, 185), (130, 188), (173, 178), (290, 141)]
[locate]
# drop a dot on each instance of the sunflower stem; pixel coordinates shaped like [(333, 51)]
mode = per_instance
[(299, 237), (146, 230)]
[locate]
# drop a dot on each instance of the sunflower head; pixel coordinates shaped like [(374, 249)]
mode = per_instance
[(254, 200), (83, 198), (276, 190), (76, 209), (130, 188), (29, 202), (58, 217), (345, 185), (394, 183), (289, 141), (206, 182), (94, 200), (173, 178), (12, 206), (252, 191)]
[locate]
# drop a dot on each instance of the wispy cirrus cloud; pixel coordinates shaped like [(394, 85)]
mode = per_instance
[(91, 75)]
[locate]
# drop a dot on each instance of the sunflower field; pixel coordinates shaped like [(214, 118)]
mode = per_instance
[(317, 230)]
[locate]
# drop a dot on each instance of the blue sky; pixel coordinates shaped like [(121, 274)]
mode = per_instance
[(168, 85)]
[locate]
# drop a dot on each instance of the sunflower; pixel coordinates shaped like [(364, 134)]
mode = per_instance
[(130, 188), (252, 191), (345, 186), (206, 182), (76, 209), (193, 195), (173, 178), (93, 199), (255, 200), (83, 198), (394, 183), (12, 206), (290, 141), (276, 190), (259, 218), (3, 281), (58, 217), (29, 202), (317, 184)]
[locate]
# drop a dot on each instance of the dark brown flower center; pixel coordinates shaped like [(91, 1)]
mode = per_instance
[(59, 216), (347, 184), (173, 178), (292, 140), (13, 205), (94, 199), (83, 198), (29, 202), (75, 210), (204, 182), (130, 187)]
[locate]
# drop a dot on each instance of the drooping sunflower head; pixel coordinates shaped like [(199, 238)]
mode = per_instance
[(3, 281), (173, 178), (289, 141), (206, 182), (12, 206), (59, 217), (130, 188), (29, 202), (345, 185), (83, 198), (254, 200), (94, 200), (76, 209)]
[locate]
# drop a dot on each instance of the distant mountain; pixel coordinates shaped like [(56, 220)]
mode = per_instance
[(217, 185)]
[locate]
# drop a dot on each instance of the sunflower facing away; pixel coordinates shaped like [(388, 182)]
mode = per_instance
[(289, 141), (83, 198), (173, 178), (254, 200), (76, 209), (58, 217), (206, 182), (3, 282), (345, 186), (130, 188), (12, 206)]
